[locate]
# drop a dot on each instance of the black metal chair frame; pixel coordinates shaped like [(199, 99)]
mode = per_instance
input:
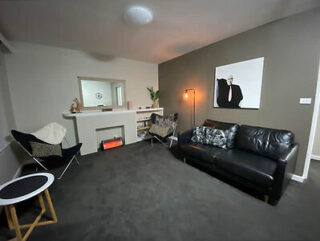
[(72, 151)]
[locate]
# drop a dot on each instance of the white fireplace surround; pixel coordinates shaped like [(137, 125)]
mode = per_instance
[(89, 122)]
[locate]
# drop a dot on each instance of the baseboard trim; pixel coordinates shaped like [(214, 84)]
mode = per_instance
[(16, 175), (18, 172), (315, 157), (4, 144), (298, 178)]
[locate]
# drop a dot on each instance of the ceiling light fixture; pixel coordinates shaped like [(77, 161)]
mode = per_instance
[(138, 15)]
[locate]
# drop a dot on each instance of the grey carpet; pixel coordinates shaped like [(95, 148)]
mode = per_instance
[(139, 192)]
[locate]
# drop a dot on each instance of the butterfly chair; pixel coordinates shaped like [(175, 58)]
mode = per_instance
[(163, 127), (67, 155)]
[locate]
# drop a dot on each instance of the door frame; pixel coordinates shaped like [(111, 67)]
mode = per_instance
[(315, 115)]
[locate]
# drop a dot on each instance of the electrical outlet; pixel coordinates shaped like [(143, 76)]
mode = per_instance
[(305, 101)]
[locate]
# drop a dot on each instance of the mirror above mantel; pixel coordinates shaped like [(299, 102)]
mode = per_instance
[(100, 93)]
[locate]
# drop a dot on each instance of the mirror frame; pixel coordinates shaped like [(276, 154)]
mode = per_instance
[(106, 106)]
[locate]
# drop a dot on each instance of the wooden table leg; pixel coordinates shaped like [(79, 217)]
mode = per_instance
[(15, 222), (41, 202), (9, 218), (51, 208)]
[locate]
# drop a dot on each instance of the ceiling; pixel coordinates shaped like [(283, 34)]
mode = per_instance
[(179, 26)]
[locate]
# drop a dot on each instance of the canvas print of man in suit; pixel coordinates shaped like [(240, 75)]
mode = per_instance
[(229, 95)]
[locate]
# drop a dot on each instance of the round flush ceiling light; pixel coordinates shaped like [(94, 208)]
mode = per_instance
[(138, 15)]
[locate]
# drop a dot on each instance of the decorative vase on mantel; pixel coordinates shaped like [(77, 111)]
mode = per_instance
[(155, 104)]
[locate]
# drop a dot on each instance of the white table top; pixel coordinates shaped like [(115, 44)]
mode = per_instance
[(4, 202)]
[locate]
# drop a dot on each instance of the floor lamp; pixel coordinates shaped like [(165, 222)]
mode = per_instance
[(186, 97)]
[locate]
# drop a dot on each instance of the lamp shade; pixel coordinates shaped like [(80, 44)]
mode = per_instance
[(193, 107), (186, 95)]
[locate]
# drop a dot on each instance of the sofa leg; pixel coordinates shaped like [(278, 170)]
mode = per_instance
[(266, 198), (184, 160)]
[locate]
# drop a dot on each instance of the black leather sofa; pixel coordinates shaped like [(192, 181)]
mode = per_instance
[(261, 159)]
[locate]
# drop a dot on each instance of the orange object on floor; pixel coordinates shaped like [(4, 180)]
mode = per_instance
[(112, 143)]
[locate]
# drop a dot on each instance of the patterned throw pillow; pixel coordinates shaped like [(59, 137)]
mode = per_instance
[(159, 130), (218, 138), (165, 121), (210, 136), (198, 134), (45, 150)]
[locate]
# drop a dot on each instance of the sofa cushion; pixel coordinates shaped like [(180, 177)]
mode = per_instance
[(232, 127), (201, 152), (255, 168), (267, 142)]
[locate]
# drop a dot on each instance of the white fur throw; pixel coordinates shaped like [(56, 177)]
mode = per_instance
[(53, 133)]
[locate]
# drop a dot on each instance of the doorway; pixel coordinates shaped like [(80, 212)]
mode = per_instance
[(314, 139)]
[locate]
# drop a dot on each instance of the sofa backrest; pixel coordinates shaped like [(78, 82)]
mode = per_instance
[(232, 127), (267, 142)]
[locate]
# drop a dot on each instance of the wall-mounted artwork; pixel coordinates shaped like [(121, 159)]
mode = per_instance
[(238, 85)]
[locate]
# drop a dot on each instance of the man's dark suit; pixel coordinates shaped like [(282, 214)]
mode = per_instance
[(223, 94)]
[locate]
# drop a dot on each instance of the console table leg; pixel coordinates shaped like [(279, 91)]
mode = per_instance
[(15, 222)]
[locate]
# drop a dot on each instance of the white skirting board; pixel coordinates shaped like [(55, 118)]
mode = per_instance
[(315, 157), (18, 172), (298, 178), (10, 167)]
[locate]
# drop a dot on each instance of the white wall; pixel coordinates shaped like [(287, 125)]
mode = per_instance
[(43, 82), (7, 121), (8, 161)]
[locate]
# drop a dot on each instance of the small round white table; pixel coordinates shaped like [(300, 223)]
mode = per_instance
[(24, 188)]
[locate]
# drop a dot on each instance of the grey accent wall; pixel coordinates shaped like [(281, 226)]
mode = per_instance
[(291, 48), (316, 144)]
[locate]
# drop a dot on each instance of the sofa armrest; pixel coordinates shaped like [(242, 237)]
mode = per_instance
[(185, 137), (284, 171), (291, 155)]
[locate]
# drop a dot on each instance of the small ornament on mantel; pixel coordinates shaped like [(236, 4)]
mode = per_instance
[(130, 105), (73, 108), (76, 106)]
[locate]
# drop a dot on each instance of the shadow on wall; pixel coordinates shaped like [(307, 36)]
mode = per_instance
[(182, 48), (12, 158), (174, 50), (100, 57), (20, 155)]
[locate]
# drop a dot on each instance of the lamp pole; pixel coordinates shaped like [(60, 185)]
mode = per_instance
[(193, 117)]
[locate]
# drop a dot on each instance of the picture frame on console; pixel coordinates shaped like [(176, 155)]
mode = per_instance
[(238, 85)]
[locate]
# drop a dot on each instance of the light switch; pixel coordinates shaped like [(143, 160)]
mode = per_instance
[(305, 101)]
